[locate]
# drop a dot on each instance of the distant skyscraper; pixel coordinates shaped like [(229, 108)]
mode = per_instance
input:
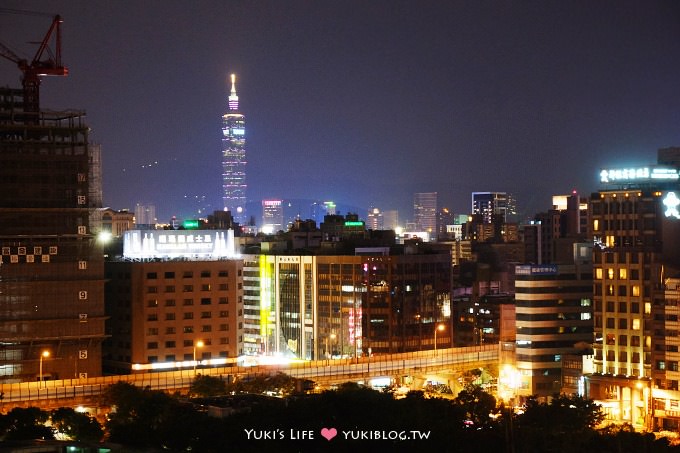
[(390, 219), (234, 158), (145, 216), (374, 220), (330, 207), (272, 216), (425, 212), (490, 205), (446, 219)]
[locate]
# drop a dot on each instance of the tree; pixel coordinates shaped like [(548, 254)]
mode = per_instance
[(207, 386), (137, 414), (76, 426), (26, 424), (564, 413), (278, 383), (477, 405), (564, 424)]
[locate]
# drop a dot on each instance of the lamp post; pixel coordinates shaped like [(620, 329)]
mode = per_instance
[(198, 344), (328, 350), (45, 354), (438, 327), (645, 393)]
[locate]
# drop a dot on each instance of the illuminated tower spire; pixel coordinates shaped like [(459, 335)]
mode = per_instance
[(233, 98), (234, 158)]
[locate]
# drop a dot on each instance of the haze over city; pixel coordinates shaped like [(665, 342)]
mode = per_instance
[(363, 103)]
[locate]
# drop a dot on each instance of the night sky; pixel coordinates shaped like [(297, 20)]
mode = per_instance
[(363, 102)]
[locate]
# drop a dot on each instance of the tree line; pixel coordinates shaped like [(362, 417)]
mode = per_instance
[(349, 418)]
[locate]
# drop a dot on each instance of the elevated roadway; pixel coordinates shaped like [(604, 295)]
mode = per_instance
[(73, 392)]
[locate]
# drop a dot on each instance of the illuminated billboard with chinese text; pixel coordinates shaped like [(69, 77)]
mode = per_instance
[(641, 174), (191, 244)]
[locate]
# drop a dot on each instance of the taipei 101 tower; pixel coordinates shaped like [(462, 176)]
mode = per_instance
[(234, 158)]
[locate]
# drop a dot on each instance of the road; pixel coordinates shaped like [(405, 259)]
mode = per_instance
[(52, 393)]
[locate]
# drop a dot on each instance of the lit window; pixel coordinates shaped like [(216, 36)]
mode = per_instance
[(598, 273), (623, 274), (610, 274), (636, 324), (635, 291), (596, 225)]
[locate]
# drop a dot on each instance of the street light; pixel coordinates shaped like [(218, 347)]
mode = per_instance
[(198, 344), (332, 336), (440, 327), (44, 354)]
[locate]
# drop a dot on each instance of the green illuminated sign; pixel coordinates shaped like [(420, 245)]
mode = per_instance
[(349, 223), (190, 224)]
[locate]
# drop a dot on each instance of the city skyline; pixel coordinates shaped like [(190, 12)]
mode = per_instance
[(531, 100)]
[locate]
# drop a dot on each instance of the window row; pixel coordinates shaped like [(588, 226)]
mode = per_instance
[(622, 324), (622, 307), (620, 290), (185, 344), (623, 340), (622, 274), (187, 274), (188, 315), (188, 288), (153, 331), (190, 356), (662, 365), (623, 356), (152, 303)]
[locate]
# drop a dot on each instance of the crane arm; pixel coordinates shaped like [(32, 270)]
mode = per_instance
[(10, 55)]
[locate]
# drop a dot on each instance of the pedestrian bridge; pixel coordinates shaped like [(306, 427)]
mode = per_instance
[(73, 392)]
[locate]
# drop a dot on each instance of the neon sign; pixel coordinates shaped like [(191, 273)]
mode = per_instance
[(637, 174), (671, 201)]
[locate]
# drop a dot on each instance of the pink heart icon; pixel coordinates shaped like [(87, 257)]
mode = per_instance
[(329, 433)]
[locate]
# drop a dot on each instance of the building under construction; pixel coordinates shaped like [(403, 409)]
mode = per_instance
[(51, 266)]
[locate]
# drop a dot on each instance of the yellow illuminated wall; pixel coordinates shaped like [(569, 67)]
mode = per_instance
[(266, 296)]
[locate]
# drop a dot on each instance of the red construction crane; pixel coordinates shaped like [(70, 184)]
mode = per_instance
[(49, 65)]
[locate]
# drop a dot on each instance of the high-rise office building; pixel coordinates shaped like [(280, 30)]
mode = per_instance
[(272, 216), (635, 226), (550, 236), (491, 206), (51, 265), (174, 297), (234, 158), (374, 219), (390, 219), (425, 212), (553, 318), (445, 222), (322, 306), (145, 216)]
